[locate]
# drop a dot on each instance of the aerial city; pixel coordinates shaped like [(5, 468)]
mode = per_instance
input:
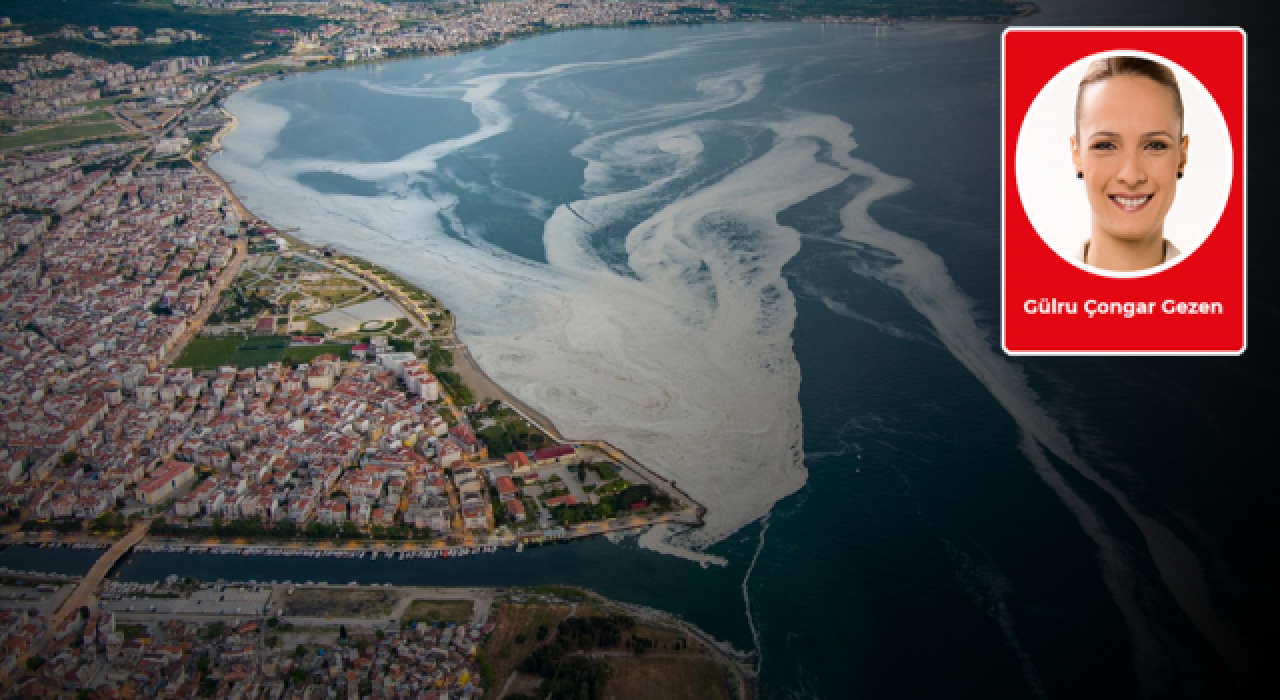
[(560, 349)]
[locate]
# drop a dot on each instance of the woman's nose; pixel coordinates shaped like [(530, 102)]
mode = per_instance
[(1131, 173)]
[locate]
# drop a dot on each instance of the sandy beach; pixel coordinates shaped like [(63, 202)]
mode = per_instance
[(485, 389)]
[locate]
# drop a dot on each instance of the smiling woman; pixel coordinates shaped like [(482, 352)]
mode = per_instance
[(1130, 150), (1128, 119)]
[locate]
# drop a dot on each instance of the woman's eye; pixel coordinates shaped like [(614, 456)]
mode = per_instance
[(1103, 146), (1158, 146)]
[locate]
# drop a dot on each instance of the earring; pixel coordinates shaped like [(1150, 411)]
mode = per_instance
[(1179, 174), (1080, 175)]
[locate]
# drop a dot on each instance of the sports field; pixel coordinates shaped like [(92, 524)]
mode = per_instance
[(208, 353), (257, 351)]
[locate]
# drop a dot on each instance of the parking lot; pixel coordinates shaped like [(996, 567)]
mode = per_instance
[(28, 597), (219, 600)]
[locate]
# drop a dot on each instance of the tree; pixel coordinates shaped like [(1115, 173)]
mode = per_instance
[(157, 526)]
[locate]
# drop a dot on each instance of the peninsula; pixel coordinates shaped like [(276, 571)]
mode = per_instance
[(183, 638), (180, 375)]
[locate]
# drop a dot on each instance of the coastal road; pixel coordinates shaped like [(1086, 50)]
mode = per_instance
[(229, 274), (241, 211)]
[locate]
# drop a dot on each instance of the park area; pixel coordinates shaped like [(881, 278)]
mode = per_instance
[(256, 351)]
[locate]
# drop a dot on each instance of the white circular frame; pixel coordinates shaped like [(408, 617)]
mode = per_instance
[(1053, 197)]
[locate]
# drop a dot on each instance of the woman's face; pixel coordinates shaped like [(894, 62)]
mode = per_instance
[(1130, 148)]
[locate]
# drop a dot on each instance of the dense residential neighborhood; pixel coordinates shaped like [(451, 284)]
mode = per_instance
[(175, 371)]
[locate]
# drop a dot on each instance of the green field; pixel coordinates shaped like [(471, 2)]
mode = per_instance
[(62, 132), (90, 117), (258, 351), (78, 119), (209, 353), (212, 353), (433, 611), (307, 353)]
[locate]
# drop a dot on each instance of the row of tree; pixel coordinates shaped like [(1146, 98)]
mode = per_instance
[(596, 631)]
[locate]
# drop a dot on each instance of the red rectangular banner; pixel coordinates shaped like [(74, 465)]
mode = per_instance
[(1123, 191)]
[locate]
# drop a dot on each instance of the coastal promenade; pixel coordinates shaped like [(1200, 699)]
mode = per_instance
[(484, 386), (480, 383)]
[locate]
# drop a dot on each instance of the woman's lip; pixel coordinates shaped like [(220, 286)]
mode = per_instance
[(1131, 202)]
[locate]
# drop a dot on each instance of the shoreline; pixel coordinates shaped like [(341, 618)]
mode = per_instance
[(488, 602), (483, 386), (464, 362), (290, 62)]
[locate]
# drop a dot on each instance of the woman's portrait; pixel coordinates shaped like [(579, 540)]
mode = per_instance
[(1106, 167), (1129, 150)]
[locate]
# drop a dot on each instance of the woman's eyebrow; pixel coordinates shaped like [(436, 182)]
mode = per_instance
[(1114, 135)]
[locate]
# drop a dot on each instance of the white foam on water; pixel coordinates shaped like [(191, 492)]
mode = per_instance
[(689, 362), (686, 364), (664, 539)]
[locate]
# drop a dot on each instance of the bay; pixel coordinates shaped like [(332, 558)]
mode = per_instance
[(959, 523)]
